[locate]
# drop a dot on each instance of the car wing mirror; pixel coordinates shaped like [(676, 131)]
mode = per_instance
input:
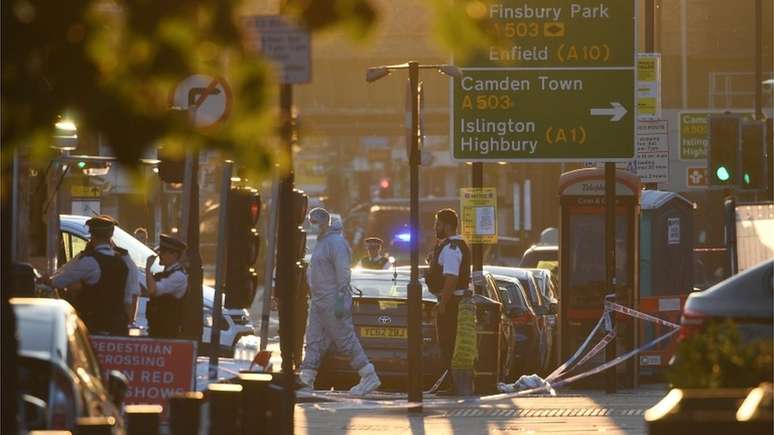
[(118, 386)]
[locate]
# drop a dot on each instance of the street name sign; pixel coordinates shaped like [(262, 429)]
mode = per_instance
[(562, 87)]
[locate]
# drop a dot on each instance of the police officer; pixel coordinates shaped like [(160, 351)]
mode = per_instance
[(448, 278), (375, 259), (166, 289), (102, 281)]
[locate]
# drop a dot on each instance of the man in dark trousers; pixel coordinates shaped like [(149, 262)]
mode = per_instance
[(101, 281), (375, 259), (448, 278), (166, 289)]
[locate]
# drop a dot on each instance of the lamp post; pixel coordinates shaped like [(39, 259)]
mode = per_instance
[(414, 291)]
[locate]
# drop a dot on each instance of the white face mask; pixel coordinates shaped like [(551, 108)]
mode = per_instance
[(315, 226)]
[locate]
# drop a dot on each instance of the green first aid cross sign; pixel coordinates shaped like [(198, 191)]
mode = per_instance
[(561, 88)]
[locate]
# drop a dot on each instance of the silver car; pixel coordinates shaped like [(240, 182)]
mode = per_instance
[(59, 377)]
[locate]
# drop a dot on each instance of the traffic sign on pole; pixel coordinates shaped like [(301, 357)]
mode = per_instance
[(563, 89)]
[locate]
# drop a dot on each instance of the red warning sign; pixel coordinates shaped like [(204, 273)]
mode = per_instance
[(156, 369)]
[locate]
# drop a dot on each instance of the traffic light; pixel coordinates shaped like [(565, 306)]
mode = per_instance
[(244, 210), (723, 152), (753, 156), (385, 188), (300, 206), (171, 168)]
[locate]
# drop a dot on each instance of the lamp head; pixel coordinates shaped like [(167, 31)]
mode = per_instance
[(451, 71), (375, 73)]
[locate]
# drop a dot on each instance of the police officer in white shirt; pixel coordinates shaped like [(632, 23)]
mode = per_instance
[(102, 281), (166, 289), (448, 278)]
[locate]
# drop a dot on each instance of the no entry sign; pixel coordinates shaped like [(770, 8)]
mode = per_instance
[(156, 369)]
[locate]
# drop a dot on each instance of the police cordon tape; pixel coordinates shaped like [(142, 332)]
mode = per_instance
[(552, 381)]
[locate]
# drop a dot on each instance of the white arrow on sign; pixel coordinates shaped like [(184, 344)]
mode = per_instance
[(616, 112)]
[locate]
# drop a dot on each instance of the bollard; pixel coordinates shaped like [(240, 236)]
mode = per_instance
[(95, 426), (255, 403), (224, 401), (185, 413), (281, 407), (143, 419)]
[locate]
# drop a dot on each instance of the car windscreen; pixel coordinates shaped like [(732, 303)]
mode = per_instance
[(511, 294), (385, 288), (34, 333)]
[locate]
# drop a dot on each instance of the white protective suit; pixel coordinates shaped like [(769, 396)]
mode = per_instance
[(329, 274)]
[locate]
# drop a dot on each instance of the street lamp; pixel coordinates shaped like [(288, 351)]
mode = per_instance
[(414, 291)]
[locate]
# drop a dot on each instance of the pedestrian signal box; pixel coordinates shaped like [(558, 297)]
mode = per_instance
[(582, 263)]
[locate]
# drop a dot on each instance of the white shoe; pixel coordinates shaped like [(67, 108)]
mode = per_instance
[(306, 378), (369, 381)]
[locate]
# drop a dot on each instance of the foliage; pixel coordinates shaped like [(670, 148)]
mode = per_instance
[(719, 358), (110, 65)]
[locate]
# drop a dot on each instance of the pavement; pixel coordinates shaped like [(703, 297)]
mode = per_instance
[(569, 412)]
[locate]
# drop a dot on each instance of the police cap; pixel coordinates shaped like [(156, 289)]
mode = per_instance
[(169, 243), (374, 241), (102, 222)]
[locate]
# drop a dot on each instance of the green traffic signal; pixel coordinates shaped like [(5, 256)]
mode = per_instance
[(746, 178), (722, 173), (81, 164)]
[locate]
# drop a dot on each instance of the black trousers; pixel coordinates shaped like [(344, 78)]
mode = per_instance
[(446, 328)]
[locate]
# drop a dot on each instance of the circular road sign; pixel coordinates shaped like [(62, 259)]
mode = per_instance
[(207, 98)]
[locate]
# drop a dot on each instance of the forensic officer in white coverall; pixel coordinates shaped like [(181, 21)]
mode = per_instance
[(330, 310)]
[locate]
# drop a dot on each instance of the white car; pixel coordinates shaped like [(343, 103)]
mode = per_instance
[(236, 322), (59, 377)]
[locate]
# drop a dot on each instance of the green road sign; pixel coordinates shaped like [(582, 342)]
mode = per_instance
[(560, 84)]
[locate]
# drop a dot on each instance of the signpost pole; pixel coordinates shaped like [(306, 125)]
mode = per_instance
[(414, 290), (268, 285), (192, 314), (611, 384), (286, 271), (477, 248), (217, 303)]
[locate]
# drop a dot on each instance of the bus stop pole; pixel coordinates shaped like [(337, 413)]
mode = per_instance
[(610, 375)]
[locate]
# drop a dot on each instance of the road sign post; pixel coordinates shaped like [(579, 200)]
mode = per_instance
[(562, 89)]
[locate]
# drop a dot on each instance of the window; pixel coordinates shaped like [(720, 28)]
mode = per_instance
[(73, 245)]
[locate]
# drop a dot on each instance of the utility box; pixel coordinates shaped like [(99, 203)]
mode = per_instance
[(666, 269)]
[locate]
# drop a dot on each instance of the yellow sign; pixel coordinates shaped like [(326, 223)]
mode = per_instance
[(85, 191), (648, 85), (479, 214)]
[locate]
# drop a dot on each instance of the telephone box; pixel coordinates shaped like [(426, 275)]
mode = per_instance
[(666, 270), (582, 263)]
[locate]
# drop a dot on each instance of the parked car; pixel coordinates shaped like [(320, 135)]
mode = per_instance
[(537, 253), (747, 298), (548, 284), (380, 316), (525, 352), (59, 376), (235, 323), (543, 307)]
